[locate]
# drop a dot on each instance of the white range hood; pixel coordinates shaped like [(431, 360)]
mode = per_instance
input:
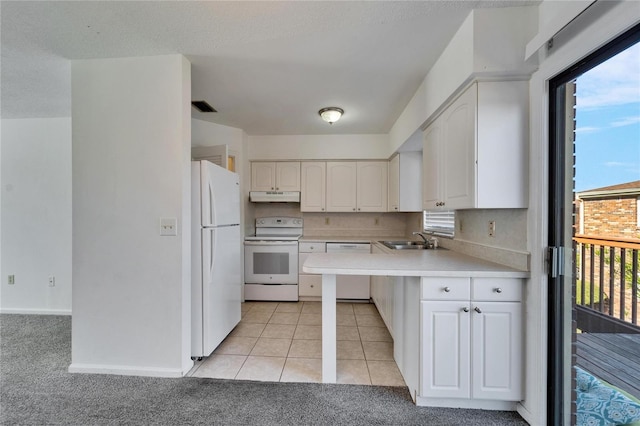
[(274, 196)]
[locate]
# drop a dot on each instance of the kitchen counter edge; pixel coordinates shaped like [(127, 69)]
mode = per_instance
[(434, 263)]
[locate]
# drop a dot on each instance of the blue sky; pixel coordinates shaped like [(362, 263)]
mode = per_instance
[(608, 122)]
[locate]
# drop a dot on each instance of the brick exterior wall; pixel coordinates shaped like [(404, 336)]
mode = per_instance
[(612, 217)]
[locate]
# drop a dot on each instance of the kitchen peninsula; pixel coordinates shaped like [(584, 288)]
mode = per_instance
[(457, 323)]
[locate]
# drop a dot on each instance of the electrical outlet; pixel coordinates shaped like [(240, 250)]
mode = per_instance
[(492, 228), (376, 221), (326, 220), (168, 226), (52, 281), (11, 279)]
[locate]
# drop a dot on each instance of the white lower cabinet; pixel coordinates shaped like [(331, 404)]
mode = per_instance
[(471, 339), (446, 356), (309, 285), (497, 351), (353, 287)]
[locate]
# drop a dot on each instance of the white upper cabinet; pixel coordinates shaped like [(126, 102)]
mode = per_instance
[(263, 176), (313, 177), (275, 176), (432, 183), (405, 182), (474, 153), (341, 186), (356, 186), (372, 186), (394, 184)]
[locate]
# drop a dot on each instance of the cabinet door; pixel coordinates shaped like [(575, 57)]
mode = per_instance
[(313, 177), (263, 176), (288, 176), (459, 151), (372, 186), (341, 186), (497, 350), (445, 351), (394, 183), (431, 179)]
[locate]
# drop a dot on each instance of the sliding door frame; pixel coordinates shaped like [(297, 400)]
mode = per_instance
[(561, 305)]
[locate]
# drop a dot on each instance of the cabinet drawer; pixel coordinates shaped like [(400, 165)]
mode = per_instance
[(311, 247), (310, 285), (497, 289), (445, 289)]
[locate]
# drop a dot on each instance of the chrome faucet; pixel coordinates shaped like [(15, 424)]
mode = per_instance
[(422, 236), (431, 243)]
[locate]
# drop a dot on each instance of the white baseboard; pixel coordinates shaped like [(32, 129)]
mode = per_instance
[(126, 370), (480, 404), (35, 311)]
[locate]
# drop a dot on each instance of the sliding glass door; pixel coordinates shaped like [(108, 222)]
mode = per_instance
[(594, 172)]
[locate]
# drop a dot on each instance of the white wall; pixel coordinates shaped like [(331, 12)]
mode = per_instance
[(322, 147), (131, 166), (489, 44), (36, 215)]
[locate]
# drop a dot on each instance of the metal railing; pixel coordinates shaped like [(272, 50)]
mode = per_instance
[(607, 276)]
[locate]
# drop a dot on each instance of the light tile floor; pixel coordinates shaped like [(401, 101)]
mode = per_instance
[(281, 341)]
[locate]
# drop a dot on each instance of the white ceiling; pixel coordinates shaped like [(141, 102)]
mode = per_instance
[(266, 66)]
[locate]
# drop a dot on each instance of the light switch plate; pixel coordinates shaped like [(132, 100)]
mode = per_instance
[(168, 226)]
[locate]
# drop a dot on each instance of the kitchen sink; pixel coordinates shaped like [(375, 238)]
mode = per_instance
[(405, 245)]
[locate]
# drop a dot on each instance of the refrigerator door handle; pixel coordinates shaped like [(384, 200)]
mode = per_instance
[(212, 252)]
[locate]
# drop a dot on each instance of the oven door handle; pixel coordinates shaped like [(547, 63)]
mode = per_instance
[(271, 243)]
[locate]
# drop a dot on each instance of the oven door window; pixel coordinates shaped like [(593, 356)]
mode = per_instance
[(271, 263)]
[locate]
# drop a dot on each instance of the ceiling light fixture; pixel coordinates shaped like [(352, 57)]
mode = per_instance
[(331, 114)]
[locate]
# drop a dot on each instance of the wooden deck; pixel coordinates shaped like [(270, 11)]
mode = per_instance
[(612, 357)]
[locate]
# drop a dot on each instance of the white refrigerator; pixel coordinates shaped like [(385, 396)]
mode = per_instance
[(216, 283)]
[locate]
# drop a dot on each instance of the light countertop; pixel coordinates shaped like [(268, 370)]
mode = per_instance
[(434, 263), (346, 239)]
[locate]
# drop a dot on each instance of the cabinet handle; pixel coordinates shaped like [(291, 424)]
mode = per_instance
[(477, 310), (277, 189), (498, 290), (395, 208), (311, 285), (322, 209), (465, 309), (354, 209), (447, 289), (272, 188)]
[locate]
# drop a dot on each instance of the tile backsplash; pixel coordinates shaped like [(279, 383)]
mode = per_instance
[(347, 224), (508, 246)]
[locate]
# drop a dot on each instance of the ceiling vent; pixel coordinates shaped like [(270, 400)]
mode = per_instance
[(203, 106)]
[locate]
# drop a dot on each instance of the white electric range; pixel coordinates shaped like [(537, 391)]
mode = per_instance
[(271, 259)]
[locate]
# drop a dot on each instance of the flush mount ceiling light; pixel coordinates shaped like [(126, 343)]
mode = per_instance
[(331, 114)]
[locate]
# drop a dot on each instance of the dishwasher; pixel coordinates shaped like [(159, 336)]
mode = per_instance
[(354, 287)]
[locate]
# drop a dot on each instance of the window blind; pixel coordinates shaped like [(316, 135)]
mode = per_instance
[(440, 223)]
